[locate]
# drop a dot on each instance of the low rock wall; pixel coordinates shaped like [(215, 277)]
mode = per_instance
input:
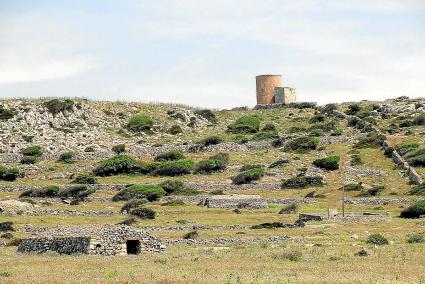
[(62, 245)]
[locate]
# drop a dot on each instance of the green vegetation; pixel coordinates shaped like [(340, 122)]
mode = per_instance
[(118, 149), (49, 191), (248, 176), (133, 203), (76, 191), (414, 211), (377, 239), (302, 144), (330, 163), (32, 151), (66, 157), (172, 155), (140, 123), (207, 114), (215, 163), (210, 140), (6, 114), (149, 192), (302, 181), (117, 165), (84, 179), (245, 124), (176, 187), (173, 168), (9, 174), (372, 140), (56, 106), (143, 213), (175, 129)]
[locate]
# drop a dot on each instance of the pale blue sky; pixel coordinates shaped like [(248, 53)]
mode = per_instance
[(207, 53)]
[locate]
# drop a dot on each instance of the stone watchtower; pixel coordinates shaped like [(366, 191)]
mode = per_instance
[(270, 91)]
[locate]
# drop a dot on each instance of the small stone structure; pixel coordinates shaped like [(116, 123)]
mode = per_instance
[(236, 201), (93, 240), (270, 91)]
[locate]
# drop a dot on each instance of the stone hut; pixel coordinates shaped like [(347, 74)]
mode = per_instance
[(236, 201), (93, 240)]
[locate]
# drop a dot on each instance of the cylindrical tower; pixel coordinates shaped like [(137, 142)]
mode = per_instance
[(265, 88)]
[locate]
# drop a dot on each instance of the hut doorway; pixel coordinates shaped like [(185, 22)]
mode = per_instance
[(133, 246)]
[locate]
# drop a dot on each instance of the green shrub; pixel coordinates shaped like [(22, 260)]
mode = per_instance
[(245, 124), (211, 140), (415, 238), (317, 133), (56, 106), (302, 144), (416, 158), (150, 192), (353, 187), (117, 165), (278, 163), (172, 155), (32, 151), (173, 168), (66, 157), (173, 203), (353, 109), (177, 187), (76, 191), (406, 147), (414, 211), (133, 203), (250, 167), (143, 213), (28, 160), (6, 114), (9, 174), (49, 191), (175, 129), (84, 179), (405, 123), (337, 132), (289, 209), (356, 160), (302, 181), (214, 163), (330, 163), (139, 123), (207, 114), (118, 149), (317, 118), (372, 140), (269, 225), (377, 239), (248, 176), (419, 119)]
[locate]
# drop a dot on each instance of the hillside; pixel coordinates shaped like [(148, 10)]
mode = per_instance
[(307, 157)]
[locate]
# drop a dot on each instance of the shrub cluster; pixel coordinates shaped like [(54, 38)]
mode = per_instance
[(414, 211), (330, 163), (133, 203), (172, 155), (302, 181), (118, 149), (245, 124), (32, 151), (214, 163), (211, 140), (9, 174), (77, 191), (84, 179), (6, 114), (248, 176), (121, 164), (143, 213), (289, 209), (171, 168), (268, 132), (139, 123), (136, 191), (372, 140), (49, 191), (302, 144), (175, 129), (377, 239), (176, 187), (207, 114), (56, 106), (66, 157), (412, 153)]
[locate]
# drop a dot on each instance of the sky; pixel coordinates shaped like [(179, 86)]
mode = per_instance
[(207, 53)]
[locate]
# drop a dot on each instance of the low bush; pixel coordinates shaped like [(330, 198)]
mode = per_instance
[(249, 167), (117, 165), (302, 181), (173, 203), (377, 239), (66, 157), (76, 191), (132, 204), (6, 114), (175, 129), (210, 140), (330, 163), (414, 211), (191, 235), (28, 160), (139, 123), (150, 192), (119, 149), (143, 213), (207, 114), (415, 238), (56, 106), (356, 160), (353, 187), (405, 123), (9, 174), (289, 209), (302, 144), (214, 163), (269, 225), (406, 147), (49, 191), (177, 187), (416, 158), (294, 256), (173, 168), (248, 176), (268, 132), (353, 109), (245, 124), (317, 132), (32, 151), (418, 190), (372, 140), (84, 179), (419, 119), (172, 155), (337, 132), (317, 118)]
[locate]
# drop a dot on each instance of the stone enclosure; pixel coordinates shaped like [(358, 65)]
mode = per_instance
[(93, 240)]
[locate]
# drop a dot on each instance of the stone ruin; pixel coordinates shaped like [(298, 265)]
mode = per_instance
[(93, 240), (236, 201)]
